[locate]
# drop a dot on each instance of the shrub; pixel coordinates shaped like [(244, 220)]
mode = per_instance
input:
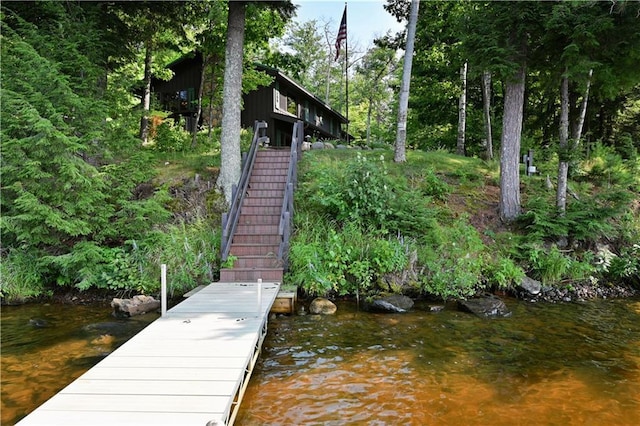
[(171, 137), (346, 261), (190, 252), (504, 272), (626, 267), (21, 277), (453, 262), (434, 187)]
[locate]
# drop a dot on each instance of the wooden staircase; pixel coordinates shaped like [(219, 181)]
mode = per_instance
[(256, 240)]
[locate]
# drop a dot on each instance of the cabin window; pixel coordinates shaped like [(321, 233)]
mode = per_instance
[(292, 106), (306, 110)]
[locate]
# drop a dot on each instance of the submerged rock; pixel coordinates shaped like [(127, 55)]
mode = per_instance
[(323, 306), (39, 323), (394, 303), (486, 306)]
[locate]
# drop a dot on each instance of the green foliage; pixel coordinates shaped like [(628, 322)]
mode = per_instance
[(553, 266), (361, 190), (21, 276), (625, 268), (605, 167), (365, 194), (454, 261), (432, 186), (171, 137), (504, 272), (346, 261), (190, 252), (586, 219), (69, 170)]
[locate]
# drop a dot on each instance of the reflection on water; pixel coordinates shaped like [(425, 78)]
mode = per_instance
[(565, 364), (546, 364), (45, 347)]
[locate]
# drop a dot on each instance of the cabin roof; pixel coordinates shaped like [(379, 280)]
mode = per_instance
[(279, 74), (197, 56)]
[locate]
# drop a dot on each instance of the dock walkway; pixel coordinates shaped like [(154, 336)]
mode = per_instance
[(189, 367)]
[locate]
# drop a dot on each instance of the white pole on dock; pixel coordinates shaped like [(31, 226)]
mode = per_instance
[(259, 296), (163, 289)]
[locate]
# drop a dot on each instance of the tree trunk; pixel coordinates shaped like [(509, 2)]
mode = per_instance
[(370, 107), (146, 94), (510, 149), (231, 100), (462, 110), (563, 166), (194, 140), (577, 134), (400, 155), (486, 100)]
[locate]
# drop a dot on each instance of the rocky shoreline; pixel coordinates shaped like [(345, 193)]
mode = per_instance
[(577, 293)]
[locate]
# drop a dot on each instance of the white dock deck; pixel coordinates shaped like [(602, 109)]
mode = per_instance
[(189, 367)]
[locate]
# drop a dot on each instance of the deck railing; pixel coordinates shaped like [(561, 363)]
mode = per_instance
[(230, 220), (286, 215)]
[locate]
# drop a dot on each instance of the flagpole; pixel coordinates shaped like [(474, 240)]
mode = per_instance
[(346, 73)]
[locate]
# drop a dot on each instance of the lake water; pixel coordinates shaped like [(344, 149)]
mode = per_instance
[(556, 364)]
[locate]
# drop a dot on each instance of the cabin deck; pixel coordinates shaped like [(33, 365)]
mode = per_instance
[(189, 367)]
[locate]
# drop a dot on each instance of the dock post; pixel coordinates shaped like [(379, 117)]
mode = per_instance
[(259, 296), (163, 289)]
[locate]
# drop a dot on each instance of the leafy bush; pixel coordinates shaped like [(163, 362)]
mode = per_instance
[(453, 262), (347, 261), (606, 167), (625, 268), (21, 276), (171, 137), (584, 220), (504, 272), (360, 190), (434, 187), (190, 252)]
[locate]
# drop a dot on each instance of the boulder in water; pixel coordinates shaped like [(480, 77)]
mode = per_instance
[(323, 306), (137, 305), (395, 303), (486, 306)]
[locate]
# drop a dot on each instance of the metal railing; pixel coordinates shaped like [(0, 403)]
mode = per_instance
[(230, 219), (286, 215)]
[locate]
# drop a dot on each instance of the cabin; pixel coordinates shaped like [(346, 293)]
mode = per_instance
[(280, 104)]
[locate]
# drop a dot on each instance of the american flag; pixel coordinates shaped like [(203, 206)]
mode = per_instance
[(342, 33)]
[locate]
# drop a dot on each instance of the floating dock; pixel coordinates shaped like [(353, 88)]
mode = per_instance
[(189, 367)]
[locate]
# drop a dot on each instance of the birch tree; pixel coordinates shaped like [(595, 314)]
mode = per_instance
[(403, 107), (462, 109)]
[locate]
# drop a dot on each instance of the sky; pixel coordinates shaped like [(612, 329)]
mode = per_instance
[(366, 19)]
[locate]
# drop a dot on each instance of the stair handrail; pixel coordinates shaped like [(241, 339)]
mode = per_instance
[(286, 215), (238, 192)]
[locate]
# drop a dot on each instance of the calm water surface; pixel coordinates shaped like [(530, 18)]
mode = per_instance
[(565, 364), (46, 347)]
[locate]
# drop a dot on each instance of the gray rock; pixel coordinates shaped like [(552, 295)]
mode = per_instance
[(323, 306), (530, 286), (486, 306), (394, 303), (317, 145), (137, 305), (341, 146)]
